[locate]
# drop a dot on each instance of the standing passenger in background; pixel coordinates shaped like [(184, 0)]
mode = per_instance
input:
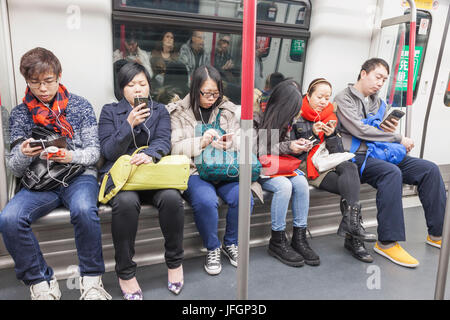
[(318, 122), (193, 53), (133, 52), (124, 127), (48, 103), (163, 54), (165, 48), (361, 101), (272, 80), (222, 57), (202, 106)]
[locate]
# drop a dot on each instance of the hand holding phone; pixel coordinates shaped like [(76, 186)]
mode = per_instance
[(308, 143), (226, 137), (39, 143), (59, 143), (331, 123), (139, 113), (140, 100), (395, 114)]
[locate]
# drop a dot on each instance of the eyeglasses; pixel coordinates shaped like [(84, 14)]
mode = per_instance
[(208, 95), (46, 83)]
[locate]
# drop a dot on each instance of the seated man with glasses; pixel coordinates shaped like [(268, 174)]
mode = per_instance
[(48, 104)]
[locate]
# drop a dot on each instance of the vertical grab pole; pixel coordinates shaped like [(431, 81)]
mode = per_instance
[(411, 54), (441, 278), (247, 84)]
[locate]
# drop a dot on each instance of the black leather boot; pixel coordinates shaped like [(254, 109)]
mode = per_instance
[(357, 248), (301, 245), (351, 222), (280, 249)]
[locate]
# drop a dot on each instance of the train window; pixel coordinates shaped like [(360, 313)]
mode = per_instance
[(281, 11), (172, 54), (399, 73), (447, 93)]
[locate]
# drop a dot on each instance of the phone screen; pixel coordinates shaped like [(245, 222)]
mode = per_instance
[(140, 100), (396, 114), (226, 137), (38, 143)]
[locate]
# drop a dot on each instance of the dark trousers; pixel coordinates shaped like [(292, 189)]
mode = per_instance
[(344, 181), (126, 206), (388, 178)]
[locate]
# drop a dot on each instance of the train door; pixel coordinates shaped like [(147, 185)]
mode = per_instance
[(393, 47), (7, 101)]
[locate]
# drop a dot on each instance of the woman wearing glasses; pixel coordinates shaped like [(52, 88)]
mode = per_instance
[(202, 106), (124, 127)]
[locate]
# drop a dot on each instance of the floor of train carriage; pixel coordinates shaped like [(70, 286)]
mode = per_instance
[(339, 276)]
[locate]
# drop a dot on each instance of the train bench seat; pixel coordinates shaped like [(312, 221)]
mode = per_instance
[(55, 232)]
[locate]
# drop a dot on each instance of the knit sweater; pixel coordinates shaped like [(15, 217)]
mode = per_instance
[(85, 143)]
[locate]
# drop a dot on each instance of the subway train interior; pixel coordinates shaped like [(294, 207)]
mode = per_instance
[(302, 39)]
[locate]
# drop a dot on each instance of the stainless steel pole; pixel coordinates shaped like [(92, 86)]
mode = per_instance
[(441, 278), (244, 208)]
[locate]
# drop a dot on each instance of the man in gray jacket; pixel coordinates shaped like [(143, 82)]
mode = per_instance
[(356, 103), (193, 54)]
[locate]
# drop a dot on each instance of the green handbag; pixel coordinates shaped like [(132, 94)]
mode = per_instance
[(221, 165), (171, 172)]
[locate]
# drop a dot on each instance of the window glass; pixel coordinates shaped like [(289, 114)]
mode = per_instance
[(6, 105), (399, 74), (290, 12), (172, 54)]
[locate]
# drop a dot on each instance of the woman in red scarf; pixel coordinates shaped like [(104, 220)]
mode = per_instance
[(318, 121)]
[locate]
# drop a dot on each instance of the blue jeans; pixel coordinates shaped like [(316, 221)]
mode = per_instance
[(202, 195), (80, 197), (283, 188)]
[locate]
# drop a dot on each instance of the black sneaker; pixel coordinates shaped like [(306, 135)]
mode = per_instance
[(231, 252), (212, 262)]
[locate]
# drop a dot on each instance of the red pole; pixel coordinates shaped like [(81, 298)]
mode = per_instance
[(248, 59), (412, 47)]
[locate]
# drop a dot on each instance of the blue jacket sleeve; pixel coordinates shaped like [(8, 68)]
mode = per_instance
[(114, 141)]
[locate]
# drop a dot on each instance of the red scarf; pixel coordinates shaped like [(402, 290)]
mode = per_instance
[(310, 114), (54, 117)]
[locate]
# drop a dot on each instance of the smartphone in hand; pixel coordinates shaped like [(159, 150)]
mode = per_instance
[(226, 137), (395, 114), (140, 100), (39, 143), (331, 123)]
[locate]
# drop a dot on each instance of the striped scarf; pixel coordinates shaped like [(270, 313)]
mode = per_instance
[(52, 118)]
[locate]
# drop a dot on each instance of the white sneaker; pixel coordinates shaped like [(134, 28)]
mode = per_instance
[(45, 291), (212, 262), (92, 289)]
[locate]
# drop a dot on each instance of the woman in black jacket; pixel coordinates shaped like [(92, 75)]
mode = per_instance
[(124, 127)]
